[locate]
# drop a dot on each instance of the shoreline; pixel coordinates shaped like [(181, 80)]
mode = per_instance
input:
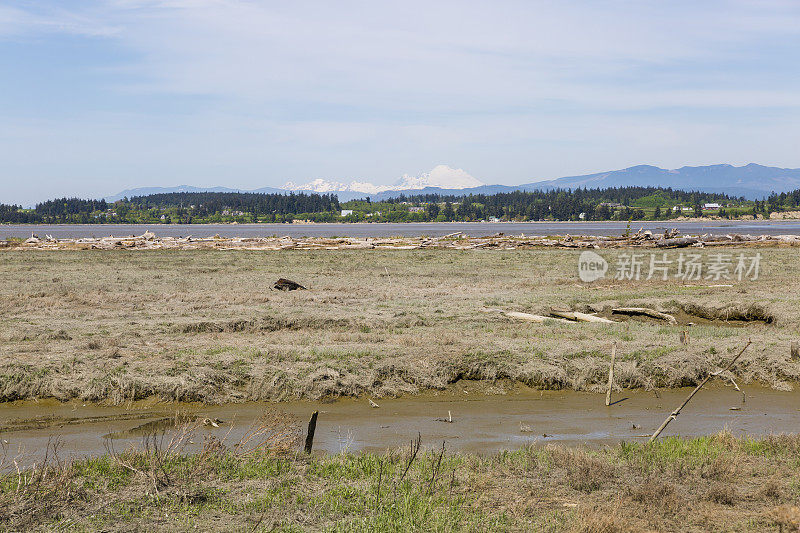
[(454, 241), (691, 220)]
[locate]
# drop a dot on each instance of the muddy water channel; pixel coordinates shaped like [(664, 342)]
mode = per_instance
[(480, 422)]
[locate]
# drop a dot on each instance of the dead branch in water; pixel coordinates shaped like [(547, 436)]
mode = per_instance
[(677, 411), (312, 427), (611, 372)]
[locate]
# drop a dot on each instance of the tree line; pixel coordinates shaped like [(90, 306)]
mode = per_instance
[(174, 208), (615, 203)]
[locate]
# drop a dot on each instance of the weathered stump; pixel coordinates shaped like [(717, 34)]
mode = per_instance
[(312, 427)]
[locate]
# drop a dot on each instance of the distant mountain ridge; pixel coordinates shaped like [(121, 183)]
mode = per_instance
[(752, 181)]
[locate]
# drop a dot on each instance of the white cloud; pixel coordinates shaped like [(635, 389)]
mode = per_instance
[(417, 56)]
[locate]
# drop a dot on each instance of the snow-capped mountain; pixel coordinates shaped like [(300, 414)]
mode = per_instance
[(442, 177)]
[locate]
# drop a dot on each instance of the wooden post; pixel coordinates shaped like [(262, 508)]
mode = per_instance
[(794, 350), (674, 414), (312, 426), (611, 372)]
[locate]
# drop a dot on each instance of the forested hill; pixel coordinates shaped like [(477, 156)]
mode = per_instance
[(208, 203), (621, 195), (615, 203), (181, 207), (562, 204)]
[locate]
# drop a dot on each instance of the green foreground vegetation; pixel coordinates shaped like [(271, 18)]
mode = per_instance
[(623, 203), (716, 483)]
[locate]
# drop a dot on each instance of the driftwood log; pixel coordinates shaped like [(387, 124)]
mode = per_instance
[(579, 317), (678, 242), (534, 318), (455, 241), (644, 311)]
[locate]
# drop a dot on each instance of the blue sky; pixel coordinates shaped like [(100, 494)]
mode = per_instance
[(96, 97)]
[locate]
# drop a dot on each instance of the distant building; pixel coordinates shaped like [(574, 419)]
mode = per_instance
[(494, 220), (612, 205), (346, 212), (711, 206), (416, 209)]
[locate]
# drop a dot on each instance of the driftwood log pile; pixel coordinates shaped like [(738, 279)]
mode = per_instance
[(456, 241)]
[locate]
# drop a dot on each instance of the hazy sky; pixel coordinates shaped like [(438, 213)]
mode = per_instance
[(98, 96)]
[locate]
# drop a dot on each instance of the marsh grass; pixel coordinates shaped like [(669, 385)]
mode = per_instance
[(204, 325)]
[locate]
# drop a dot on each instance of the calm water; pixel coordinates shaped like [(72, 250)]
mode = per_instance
[(480, 423), (473, 229)]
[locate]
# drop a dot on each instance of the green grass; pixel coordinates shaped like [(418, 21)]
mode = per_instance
[(542, 488)]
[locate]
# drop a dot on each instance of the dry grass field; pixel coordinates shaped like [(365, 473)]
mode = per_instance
[(205, 325)]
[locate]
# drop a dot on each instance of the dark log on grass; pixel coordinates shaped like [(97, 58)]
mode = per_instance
[(284, 284), (674, 414)]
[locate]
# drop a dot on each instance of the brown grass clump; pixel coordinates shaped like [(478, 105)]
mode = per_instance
[(786, 517), (658, 495), (771, 490), (583, 471), (603, 519), (722, 493), (274, 431)]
